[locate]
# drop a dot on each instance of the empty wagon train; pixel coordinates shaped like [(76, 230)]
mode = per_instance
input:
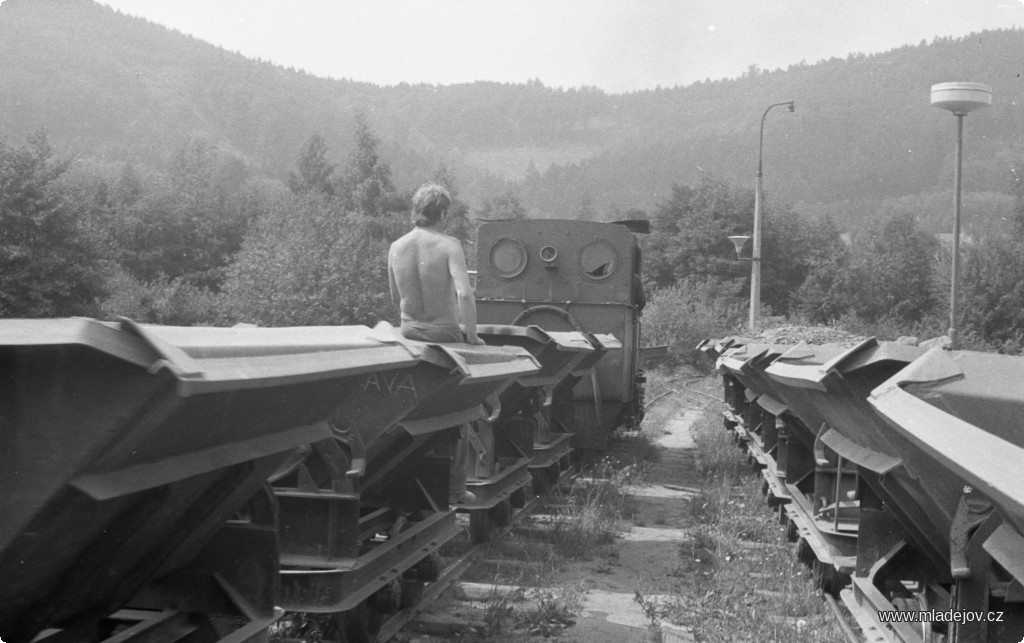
[(194, 484)]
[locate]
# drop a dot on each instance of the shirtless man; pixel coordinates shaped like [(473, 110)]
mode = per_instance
[(428, 278)]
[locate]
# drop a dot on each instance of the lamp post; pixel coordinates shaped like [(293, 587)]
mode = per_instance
[(755, 260), (961, 99)]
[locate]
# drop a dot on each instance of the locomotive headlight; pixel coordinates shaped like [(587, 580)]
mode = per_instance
[(548, 254), (508, 258)]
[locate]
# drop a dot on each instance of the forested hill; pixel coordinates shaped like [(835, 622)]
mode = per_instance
[(110, 86)]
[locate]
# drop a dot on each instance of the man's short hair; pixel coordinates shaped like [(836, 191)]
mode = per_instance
[(429, 203)]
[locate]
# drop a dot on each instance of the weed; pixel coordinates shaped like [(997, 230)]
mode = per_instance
[(707, 506), (656, 610), (499, 611), (596, 509), (553, 611), (698, 553), (717, 456), (637, 448)]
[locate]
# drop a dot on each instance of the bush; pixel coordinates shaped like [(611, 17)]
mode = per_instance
[(174, 302), (684, 314), (308, 263)]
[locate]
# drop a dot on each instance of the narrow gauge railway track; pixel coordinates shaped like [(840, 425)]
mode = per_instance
[(704, 399), (708, 402), (392, 624), (460, 564), (824, 582)]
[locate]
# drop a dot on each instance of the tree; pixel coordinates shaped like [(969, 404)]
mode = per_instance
[(992, 277), (793, 249), (366, 186), (48, 266), (892, 265), (190, 222), (128, 189), (313, 172), (457, 222), (504, 207), (824, 294), (585, 210), (690, 232), (307, 263)]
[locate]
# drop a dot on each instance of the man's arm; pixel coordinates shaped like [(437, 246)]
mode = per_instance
[(392, 284), (464, 291)]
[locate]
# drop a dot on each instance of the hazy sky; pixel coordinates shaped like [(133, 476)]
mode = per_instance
[(617, 45)]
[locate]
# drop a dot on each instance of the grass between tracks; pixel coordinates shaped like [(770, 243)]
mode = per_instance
[(736, 577), (596, 508), (542, 598)]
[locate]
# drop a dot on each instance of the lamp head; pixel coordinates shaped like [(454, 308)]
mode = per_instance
[(792, 106), (738, 241), (961, 98)]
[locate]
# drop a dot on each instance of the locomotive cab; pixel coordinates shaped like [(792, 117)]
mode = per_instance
[(568, 275)]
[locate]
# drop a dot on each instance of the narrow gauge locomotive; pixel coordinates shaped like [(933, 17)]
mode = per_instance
[(566, 275)]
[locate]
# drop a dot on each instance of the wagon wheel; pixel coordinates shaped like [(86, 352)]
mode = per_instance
[(412, 591), (539, 483), (401, 524), (554, 474), (429, 568), (804, 552), (412, 582), (501, 513), (518, 498), (916, 603), (479, 525), (826, 578), (391, 597), (361, 624), (792, 531), (388, 599)]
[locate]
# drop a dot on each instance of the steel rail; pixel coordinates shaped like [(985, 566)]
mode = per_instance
[(689, 392), (393, 625), (691, 380), (848, 632)]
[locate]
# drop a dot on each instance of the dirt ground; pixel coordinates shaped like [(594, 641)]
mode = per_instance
[(645, 553), (605, 586)]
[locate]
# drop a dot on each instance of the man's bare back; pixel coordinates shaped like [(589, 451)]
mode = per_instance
[(430, 284)]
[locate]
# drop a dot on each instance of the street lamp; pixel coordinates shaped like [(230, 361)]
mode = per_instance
[(755, 259), (959, 98)]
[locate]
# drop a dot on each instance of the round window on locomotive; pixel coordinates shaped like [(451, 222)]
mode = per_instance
[(508, 258), (598, 260)]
